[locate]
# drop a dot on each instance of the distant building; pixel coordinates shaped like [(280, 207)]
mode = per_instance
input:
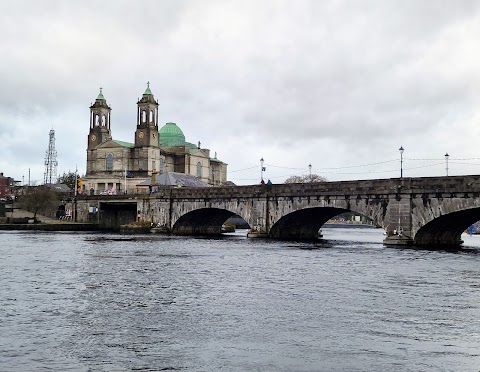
[(6, 185), (171, 179), (59, 188), (115, 166)]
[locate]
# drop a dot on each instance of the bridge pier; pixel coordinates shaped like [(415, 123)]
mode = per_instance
[(257, 234), (398, 219), (398, 240)]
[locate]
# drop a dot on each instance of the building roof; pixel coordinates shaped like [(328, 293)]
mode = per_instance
[(123, 143), (175, 179), (58, 187), (171, 135), (215, 160), (228, 183)]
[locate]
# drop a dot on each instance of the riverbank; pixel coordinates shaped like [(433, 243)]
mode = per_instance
[(24, 220), (48, 227)]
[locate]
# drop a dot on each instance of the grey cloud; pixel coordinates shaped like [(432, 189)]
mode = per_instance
[(320, 77)]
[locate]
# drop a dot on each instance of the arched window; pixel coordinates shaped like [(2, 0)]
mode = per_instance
[(151, 116), (144, 117), (199, 169), (109, 162)]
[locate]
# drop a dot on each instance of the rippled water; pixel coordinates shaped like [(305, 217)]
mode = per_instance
[(91, 302)]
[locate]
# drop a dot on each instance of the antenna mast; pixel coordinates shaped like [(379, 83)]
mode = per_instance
[(50, 160)]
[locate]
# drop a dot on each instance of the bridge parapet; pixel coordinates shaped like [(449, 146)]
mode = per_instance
[(452, 184)]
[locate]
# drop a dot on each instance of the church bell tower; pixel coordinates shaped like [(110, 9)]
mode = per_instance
[(146, 134), (99, 122)]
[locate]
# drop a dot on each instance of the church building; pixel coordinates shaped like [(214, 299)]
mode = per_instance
[(115, 166)]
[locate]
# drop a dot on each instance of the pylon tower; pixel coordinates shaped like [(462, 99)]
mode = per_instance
[(51, 160)]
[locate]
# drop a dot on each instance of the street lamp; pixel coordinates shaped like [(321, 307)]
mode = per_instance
[(401, 149), (446, 161), (261, 169), (310, 171)]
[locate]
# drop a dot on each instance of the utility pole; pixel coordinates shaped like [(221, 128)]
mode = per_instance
[(74, 209)]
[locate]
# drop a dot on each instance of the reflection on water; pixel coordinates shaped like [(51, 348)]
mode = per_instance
[(90, 302)]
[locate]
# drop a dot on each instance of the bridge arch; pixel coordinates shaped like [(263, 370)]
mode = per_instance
[(446, 229), (301, 218), (303, 224), (202, 221)]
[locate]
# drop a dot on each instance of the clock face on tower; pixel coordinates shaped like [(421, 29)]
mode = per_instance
[(93, 137), (140, 135)]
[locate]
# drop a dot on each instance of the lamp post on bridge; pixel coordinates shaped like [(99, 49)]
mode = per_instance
[(310, 171), (446, 162), (401, 149), (262, 168)]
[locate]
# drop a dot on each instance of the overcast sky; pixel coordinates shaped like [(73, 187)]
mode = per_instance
[(336, 84)]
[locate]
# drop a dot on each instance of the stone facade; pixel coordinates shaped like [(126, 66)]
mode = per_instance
[(117, 167)]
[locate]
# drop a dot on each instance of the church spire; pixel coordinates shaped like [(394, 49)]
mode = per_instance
[(147, 120), (148, 91), (100, 95), (100, 114)]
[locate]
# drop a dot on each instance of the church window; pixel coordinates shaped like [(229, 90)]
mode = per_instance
[(151, 116), (109, 162), (144, 117), (199, 169)]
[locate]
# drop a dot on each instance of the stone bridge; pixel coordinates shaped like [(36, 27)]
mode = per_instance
[(414, 211)]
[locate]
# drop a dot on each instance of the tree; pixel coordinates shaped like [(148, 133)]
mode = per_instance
[(39, 199), (68, 179), (306, 179)]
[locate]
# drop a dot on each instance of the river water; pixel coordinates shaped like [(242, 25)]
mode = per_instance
[(94, 302)]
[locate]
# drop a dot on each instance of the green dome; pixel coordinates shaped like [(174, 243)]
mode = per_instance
[(170, 135)]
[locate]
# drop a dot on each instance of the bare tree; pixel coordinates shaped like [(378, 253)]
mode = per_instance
[(39, 199), (306, 179)]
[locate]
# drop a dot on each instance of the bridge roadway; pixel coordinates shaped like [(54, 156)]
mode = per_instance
[(412, 211)]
